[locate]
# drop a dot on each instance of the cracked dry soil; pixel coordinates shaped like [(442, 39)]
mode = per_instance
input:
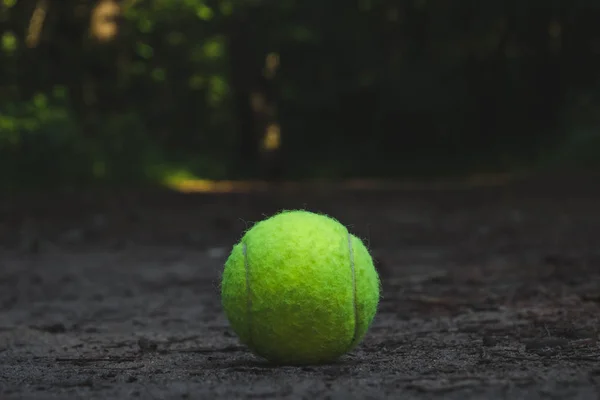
[(487, 293)]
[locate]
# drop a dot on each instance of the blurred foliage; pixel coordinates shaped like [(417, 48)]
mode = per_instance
[(129, 91)]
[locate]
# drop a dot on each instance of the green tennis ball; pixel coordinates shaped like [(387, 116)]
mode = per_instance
[(300, 289)]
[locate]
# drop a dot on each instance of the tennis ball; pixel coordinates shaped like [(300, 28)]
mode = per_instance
[(300, 289)]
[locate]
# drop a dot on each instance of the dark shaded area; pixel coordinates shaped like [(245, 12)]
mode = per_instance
[(488, 293), (111, 91)]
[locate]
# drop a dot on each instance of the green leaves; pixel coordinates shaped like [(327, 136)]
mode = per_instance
[(144, 50), (214, 47), (32, 117), (204, 12), (218, 89), (9, 42)]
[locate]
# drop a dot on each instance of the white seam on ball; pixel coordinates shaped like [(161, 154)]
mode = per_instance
[(248, 291), (353, 268)]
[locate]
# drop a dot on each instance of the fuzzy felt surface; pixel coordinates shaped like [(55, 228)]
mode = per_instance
[(300, 289)]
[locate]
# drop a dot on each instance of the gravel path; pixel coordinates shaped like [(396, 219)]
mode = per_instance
[(488, 293)]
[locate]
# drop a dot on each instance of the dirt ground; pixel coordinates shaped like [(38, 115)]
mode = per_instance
[(487, 293)]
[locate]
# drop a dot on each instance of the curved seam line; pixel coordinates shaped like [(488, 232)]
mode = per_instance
[(353, 269), (248, 292)]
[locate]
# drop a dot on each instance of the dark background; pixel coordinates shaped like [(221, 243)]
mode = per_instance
[(142, 91), (460, 139)]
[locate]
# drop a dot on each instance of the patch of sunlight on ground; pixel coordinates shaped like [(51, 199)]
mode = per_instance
[(185, 182)]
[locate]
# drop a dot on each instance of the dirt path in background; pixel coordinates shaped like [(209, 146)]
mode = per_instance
[(490, 293)]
